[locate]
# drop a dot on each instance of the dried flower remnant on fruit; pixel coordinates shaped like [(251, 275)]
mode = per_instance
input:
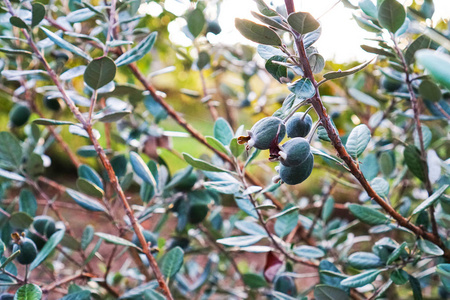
[(265, 134), (28, 250)]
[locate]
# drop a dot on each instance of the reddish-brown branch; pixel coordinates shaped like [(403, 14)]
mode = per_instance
[(342, 152), (50, 287)]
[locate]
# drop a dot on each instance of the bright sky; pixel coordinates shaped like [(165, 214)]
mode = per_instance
[(341, 36)]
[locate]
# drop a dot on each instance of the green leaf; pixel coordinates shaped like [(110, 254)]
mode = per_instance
[(203, 60), (328, 292), (141, 169), (391, 15), (112, 239), (363, 97), (340, 74), (303, 22), (277, 71), (396, 253), (20, 220), (415, 287), (361, 279), (269, 21), (241, 241), (27, 202), (257, 33), (86, 172), (443, 270), (9, 259), (437, 64), (49, 246), (368, 8), (251, 228), (10, 150), (235, 148), (100, 72), (317, 62), (137, 52), (81, 295), (172, 262), (380, 186), (358, 140), (413, 161), (364, 260), (156, 109), (196, 22), (264, 9), (369, 166), (308, 252), (430, 91), (303, 88), (426, 135), (18, 22), (89, 188), (217, 145), (368, 215), (254, 281), (379, 51), (429, 248), (85, 201), (223, 131), (399, 277), (113, 116), (28, 291), (86, 238), (134, 293), (37, 13), (15, 51), (422, 42), (286, 222), (11, 175), (327, 209), (64, 44), (387, 163), (49, 122), (201, 165)]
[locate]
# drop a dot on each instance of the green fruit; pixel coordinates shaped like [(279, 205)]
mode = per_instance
[(298, 125), (28, 251), (389, 84), (19, 115), (297, 174), (264, 133), (45, 225), (149, 237), (286, 285), (6, 296), (197, 213), (294, 152), (38, 241), (214, 27), (52, 103)]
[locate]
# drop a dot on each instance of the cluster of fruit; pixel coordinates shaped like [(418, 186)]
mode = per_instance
[(295, 157), (29, 243)]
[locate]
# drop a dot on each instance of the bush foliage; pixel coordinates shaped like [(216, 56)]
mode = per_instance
[(117, 181)]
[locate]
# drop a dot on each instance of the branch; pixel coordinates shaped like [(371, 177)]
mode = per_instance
[(101, 153), (423, 154), (342, 152)]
